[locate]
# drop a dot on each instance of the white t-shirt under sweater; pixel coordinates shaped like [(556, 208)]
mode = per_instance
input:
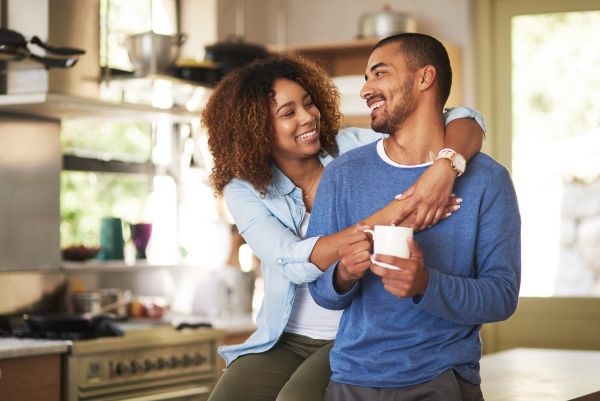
[(308, 318)]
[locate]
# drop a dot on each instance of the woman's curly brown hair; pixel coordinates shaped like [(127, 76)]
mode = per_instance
[(239, 122)]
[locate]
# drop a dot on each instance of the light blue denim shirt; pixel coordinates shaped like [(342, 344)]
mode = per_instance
[(270, 224)]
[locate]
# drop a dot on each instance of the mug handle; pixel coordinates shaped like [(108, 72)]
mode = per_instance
[(372, 232)]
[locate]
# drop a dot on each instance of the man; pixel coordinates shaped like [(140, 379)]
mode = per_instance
[(413, 333)]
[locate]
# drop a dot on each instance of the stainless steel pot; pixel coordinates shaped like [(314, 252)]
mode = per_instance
[(86, 302), (153, 53), (385, 23), (117, 298)]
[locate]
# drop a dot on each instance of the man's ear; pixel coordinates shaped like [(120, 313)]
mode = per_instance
[(427, 77)]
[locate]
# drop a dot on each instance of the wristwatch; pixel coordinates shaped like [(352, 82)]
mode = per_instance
[(457, 161)]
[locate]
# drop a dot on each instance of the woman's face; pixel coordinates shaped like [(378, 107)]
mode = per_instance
[(296, 122)]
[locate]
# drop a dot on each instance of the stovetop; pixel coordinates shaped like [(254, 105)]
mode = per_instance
[(16, 326)]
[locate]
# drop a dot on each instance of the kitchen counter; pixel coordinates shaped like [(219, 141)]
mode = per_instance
[(528, 374), (22, 347)]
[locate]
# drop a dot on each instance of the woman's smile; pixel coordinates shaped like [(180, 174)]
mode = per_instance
[(308, 136)]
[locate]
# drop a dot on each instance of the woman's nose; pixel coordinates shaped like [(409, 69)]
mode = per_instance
[(306, 117)]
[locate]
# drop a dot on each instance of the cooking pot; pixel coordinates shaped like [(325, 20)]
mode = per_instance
[(385, 23), (205, 72), (234, 53), (116, 299), (153, 53), (86, 302)]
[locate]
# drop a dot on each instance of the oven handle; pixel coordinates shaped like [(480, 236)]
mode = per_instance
[(173, 394)]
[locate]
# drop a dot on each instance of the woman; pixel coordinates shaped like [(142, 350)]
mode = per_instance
[(272, 127)]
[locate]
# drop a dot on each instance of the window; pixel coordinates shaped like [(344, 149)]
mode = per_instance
[(540, 93)]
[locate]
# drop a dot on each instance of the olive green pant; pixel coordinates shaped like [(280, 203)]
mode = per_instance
[(295, 369)]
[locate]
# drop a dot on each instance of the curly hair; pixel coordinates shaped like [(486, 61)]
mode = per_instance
[(239, 122)]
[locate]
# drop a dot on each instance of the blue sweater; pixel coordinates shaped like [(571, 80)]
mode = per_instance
[(473, 259)]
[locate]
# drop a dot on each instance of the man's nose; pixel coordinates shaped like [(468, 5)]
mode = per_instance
[(366, 91)]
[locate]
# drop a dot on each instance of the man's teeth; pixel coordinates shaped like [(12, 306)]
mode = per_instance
[(377, 105), (307, 135)]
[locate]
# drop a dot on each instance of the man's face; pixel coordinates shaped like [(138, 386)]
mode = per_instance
[(389, 89)]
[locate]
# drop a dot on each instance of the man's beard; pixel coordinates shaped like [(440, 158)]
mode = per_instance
[(389, 122)]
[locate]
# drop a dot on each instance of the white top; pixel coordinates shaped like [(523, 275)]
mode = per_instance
[(386, 158), (308, 318)]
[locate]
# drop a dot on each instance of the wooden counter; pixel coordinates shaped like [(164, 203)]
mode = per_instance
[(529, 374)]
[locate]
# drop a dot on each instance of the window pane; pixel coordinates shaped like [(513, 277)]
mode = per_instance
[(85, 198), (556, 150), (129, 142)]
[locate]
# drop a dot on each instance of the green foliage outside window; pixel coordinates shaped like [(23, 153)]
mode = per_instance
[(86, 197)]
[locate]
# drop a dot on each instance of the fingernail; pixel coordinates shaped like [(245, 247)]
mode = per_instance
[(458, 200), (452, 194), (399, 196), (456, 207), (448, 215)]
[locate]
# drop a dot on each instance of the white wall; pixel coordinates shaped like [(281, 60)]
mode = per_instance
[(327, 21)]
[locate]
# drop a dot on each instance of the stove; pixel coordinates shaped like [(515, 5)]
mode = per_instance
[(146, 364)]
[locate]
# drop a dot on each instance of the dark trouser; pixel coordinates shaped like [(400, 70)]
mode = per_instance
[(448, 386), (295, 369)]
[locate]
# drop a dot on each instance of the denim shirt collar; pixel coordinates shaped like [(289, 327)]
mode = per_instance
[(282, 184)]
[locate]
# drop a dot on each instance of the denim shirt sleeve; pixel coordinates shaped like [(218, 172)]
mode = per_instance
[(454, 113), (273, 242)]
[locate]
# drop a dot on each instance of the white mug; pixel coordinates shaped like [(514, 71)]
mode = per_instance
[(392, 241)]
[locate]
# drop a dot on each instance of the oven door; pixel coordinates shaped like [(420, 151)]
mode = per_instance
[(198, 393)]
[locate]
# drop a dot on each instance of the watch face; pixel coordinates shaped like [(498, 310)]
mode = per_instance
[(459, 163)]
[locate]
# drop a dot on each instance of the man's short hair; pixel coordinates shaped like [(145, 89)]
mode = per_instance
[(421, 50)]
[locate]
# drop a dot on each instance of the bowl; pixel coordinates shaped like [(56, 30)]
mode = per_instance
[(79, 253)]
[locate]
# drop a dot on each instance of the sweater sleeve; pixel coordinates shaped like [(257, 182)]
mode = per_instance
[(273, 242), (325, 220), (492, 294)]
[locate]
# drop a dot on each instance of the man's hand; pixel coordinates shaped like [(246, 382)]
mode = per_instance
[(355, 258), (410, 280), (429, 195)]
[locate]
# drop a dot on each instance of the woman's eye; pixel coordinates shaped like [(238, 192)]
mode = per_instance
[(288, 114)]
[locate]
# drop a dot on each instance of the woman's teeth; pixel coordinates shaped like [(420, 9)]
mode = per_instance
[(377, 105), (307, 135)]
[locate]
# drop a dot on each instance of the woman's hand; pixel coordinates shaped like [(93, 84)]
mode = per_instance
[(428, 196), (452, 205)]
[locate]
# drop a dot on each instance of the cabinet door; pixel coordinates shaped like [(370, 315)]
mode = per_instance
[(30, 378)]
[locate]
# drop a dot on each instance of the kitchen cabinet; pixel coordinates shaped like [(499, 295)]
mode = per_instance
[(350, 58), (31, 378)]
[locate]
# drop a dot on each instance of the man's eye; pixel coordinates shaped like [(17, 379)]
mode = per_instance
[(378, 74)]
